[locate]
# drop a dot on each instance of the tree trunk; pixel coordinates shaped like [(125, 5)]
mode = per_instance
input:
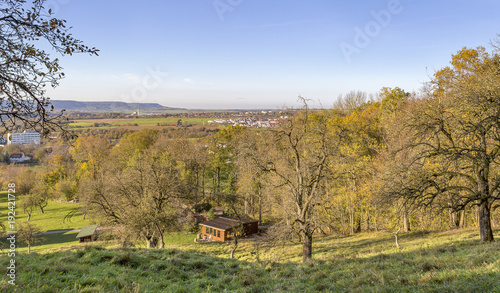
[(453, 223), (154, 242), (396, 236), (358, 225), (218, 186), (260, 210), (252, 205), (29, 248), (351, 221), (462, 219), (306, 246), (203, 183), (151, 242), (162, 243), (367, 221), (455, 219), (476, 222), (234, 246), (343, 224), (406, 220), (485, 230)]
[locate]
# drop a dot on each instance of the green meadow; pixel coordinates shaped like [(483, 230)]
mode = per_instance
[(54, 218), (141, 122), (447, 261), (451, 261)]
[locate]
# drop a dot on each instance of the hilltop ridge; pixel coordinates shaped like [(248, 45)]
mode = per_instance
[(111, 106)]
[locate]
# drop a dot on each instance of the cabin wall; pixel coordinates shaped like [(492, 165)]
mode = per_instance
[(214, 234), (251, 228), (86, 239), (224, 235)]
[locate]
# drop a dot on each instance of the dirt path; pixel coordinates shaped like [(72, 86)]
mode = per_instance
[(58, 231)]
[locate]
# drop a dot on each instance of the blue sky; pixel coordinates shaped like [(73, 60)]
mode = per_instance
[(220, 54)]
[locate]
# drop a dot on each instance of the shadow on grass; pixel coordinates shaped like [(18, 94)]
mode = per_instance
[(47, 241), (60, 238)]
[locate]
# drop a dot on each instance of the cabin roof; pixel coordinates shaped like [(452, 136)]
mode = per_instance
[(87, 231), (226, 223)]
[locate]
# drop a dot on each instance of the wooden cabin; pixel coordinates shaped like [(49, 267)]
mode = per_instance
[(87, 234), (222, 228)]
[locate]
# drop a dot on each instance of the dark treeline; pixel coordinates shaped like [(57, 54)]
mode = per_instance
[(118, 133)]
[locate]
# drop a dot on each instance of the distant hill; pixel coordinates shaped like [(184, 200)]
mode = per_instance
[(121, 107)]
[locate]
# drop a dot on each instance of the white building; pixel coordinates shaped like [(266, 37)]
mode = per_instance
[(25, 137), (18, 157)]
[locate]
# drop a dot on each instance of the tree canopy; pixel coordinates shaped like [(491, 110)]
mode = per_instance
[(454, 139)]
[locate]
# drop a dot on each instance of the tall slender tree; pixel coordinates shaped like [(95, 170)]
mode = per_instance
[(301, 150)]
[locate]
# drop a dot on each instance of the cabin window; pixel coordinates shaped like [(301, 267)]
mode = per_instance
[(215, 232), (218, 234)]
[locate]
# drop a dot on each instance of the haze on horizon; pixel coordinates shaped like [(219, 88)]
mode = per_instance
[(221, 54)]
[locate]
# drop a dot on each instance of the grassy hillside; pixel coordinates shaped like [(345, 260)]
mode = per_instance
[(109, 106), (426, 262), (53, 218), (452, 261)]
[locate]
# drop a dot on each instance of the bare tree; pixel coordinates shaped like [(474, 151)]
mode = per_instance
[(253, 181), (349, 102), (145, 197), (455, 145), (301, 149), (25, 68), (27, 233), (25, 180)]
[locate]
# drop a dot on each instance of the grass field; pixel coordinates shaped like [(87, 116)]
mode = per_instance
[(52, 243), (52, 220), (141, 122), (452, 261), (449, 261)]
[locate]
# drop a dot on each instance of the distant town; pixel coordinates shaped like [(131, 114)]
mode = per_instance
[(247, 122), (22, 146)]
